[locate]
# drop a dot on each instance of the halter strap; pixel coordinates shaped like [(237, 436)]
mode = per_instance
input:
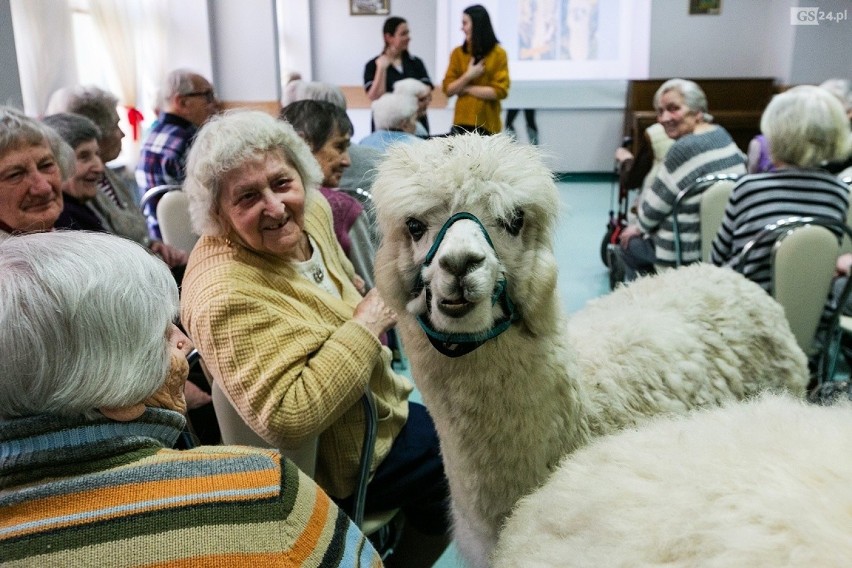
[(458, 344)]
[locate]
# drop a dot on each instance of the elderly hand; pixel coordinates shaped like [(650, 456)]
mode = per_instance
[(844, 265), (360, 285), (623, 155), (372, 313), (170, 255), (629, 232)]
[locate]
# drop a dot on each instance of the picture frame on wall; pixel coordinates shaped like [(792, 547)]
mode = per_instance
[(705, 7), (369, 7)]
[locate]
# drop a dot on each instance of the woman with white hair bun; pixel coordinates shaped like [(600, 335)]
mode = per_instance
[(269, 299), (91, 403), (423, 93), (395, 116)]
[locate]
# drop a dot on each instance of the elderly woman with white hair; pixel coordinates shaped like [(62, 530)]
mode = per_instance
[(423, 93), (395, 116), (115, 203), (30, 174), (806, 126), (91, 403), (269, 299), (701, 148)]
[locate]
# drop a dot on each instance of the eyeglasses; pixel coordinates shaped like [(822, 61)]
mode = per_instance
[(209, 95)]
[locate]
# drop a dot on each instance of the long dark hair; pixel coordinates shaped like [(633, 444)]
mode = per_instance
[(391, 24), (482, 33)]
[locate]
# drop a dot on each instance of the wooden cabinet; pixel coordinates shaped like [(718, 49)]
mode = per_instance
[(736, 105)]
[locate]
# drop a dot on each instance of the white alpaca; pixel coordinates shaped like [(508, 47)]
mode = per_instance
[(511, 408), (763, 483)]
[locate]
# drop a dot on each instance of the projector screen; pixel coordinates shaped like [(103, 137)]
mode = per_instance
[(558, 41)]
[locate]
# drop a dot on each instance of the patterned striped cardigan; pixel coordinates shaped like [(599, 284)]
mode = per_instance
[(76, 492)]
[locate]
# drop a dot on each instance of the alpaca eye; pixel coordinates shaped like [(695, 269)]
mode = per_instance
[(415, 228), (513, 225)]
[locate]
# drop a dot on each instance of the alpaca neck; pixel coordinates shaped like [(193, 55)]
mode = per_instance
[(506, 414)]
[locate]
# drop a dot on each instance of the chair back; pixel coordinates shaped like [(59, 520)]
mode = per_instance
[(846, 243), (803, 261), (236, 432), (175, 223), (710, 214)]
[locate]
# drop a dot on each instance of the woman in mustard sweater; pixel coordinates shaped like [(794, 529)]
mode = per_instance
[(269, 300), (479, 74)]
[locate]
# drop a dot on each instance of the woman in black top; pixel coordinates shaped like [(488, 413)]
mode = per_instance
[(394, 63)]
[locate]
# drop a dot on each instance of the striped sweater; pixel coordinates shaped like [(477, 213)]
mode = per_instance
[(761, 199), (690, 157), (76, 492)]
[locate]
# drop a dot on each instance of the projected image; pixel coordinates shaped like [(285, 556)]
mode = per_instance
[(550, 40), (537, 29), (548, 29)]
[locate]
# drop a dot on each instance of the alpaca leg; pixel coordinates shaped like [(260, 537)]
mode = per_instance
[(473, 546)]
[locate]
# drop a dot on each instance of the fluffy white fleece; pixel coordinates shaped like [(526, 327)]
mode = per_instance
[(764, 483), (509, 411)]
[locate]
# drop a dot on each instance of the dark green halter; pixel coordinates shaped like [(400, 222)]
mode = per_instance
[(458, 344)]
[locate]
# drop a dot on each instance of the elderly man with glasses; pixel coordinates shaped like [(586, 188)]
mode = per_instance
[(188, 101)]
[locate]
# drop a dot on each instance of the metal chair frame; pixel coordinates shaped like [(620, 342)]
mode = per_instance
[(697, 187), (827, 358)]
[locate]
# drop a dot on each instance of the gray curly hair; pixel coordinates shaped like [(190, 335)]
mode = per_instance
[(226, 142)]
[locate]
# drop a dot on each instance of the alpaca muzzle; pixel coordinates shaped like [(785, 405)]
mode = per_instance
[(458, 344)]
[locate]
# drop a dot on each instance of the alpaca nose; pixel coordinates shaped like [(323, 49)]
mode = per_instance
[(460, 263)]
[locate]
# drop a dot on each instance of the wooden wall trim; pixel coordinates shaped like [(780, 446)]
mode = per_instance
[(356, 97)]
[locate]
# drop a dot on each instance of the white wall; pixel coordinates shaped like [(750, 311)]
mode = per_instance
[(10, 86), (188, 37), (245, 55), (823, 51)]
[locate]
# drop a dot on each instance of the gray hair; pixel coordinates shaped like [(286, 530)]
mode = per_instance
[(83, 323), (18, 130), (74, 128), (840, 88), (63, 153), (805, 127), (319, 91), (411, 86), (178, 82), (317, 121), (315, 91), (693, 96), (226, 142), (394, 110), (94, 103)]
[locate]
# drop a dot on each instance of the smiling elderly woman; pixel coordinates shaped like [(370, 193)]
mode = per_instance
[(701, 148), (91, 402), (269, 299), (30, 174)]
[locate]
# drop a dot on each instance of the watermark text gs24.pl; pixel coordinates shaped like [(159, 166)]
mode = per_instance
[(801, 16)]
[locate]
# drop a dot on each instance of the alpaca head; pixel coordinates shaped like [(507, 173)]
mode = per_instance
[(467, 227)]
